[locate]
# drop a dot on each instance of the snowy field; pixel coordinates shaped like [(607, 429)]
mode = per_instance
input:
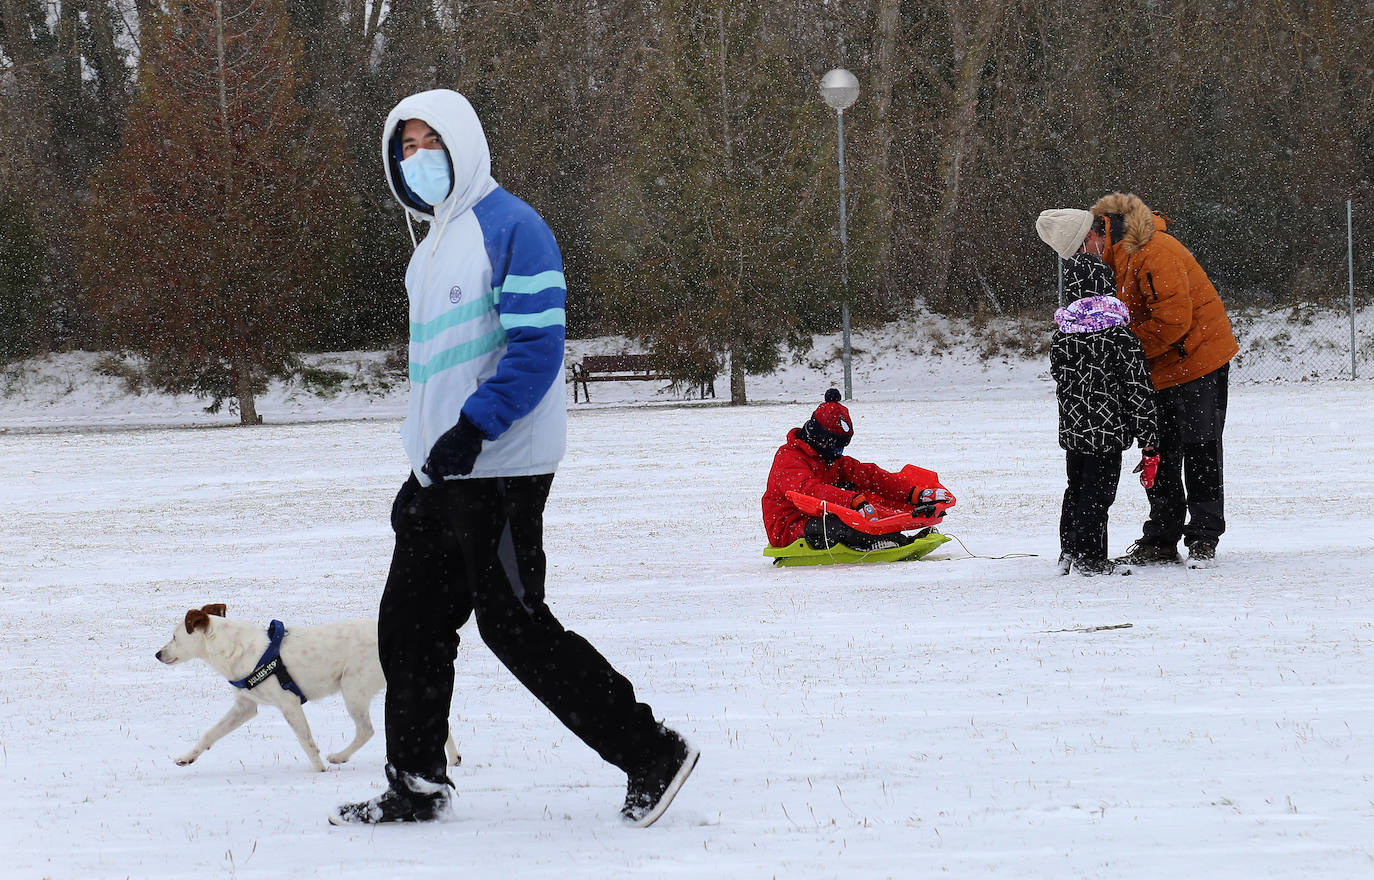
[(938, 718)]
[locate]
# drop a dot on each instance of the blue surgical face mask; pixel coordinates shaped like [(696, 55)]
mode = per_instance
[(426, 173)]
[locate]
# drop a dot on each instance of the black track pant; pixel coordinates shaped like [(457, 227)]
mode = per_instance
[(476, 546), (1091, 490), (1192, 417)]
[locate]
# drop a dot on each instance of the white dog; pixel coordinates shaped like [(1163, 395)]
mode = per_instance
[(314, 661)]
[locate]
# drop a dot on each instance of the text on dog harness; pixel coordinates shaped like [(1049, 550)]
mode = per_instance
[(271, 664)]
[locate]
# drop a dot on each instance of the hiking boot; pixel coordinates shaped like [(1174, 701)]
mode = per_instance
[(651, 789), (1064, 564), (1144, 553), (410, 797), (1094, 567), (1202, 553)]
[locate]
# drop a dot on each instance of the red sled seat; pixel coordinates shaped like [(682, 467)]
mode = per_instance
[(888, 519)]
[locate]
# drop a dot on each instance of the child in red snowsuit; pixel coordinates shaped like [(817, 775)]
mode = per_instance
[(812, 462)]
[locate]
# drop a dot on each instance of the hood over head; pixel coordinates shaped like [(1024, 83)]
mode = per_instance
[(1136, 220), (456, 123)]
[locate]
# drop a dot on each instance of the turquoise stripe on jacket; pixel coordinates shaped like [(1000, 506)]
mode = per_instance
[(533, 283), (546, 318), (459, 354), (452, 318)]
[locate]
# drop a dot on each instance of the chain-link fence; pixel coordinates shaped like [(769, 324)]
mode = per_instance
[(1303, 342), (1326, 334)]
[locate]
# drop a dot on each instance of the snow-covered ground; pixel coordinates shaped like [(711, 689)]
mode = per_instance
[(939, 718)]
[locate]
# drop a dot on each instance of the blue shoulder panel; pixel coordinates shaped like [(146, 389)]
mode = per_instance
[(527, 281)]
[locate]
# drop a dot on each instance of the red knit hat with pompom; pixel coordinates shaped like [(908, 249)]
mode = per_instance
[(829, 429), (833, 416)]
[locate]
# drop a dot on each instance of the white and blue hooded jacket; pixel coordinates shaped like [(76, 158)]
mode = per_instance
[(487, 298)]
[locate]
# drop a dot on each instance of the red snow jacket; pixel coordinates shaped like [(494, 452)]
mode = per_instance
[(799, 468)]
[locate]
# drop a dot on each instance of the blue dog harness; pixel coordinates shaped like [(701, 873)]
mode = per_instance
[(271, 664)]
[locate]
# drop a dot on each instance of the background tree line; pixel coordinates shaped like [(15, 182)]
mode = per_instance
[(199, 181)]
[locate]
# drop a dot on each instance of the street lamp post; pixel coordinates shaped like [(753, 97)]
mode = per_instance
[(840, 89)]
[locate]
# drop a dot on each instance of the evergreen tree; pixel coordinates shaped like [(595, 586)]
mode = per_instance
[(720, 241), (220, 222), (64, 87), (23, 299), (358, 59)]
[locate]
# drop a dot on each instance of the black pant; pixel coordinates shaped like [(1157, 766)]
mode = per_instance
[(1192, 417), (466, 546), (827, 531), (1088, 497)]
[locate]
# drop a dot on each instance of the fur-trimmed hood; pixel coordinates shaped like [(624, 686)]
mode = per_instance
[(1139, 221), (1175, 311)]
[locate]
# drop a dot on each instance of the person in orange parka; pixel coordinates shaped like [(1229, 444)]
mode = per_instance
[(812, 462), (1188, 342)]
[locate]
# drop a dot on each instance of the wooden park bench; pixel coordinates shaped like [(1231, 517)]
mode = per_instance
[(623, 368)]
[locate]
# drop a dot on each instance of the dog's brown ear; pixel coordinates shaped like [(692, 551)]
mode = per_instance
[(217, 609), (197, 619)]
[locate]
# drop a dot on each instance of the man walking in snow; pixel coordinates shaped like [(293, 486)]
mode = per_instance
[(485, 431), (1186, 335)]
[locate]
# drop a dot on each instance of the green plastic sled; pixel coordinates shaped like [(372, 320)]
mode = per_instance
[(801, 553)]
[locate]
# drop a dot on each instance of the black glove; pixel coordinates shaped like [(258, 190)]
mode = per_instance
[(455, 452), (404, 499)]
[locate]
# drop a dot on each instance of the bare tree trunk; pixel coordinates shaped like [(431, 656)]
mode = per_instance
[(737, 392), (374, 23), (25, 103), (69, 24), (357, 25), (243, 368), (100, 18), (882, 188), (957, 147), (143, 12), (243, 391), (221, 74)]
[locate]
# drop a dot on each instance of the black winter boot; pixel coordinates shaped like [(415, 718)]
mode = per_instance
[(1143, 552), (1092, 567), (411, 797), (825, 532), (1202, 552), (652, 788)]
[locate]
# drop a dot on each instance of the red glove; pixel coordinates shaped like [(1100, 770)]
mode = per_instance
[(1149, 464), (924, 501), (931, 496), (863, 507)]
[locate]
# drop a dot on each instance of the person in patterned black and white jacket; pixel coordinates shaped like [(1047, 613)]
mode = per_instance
[(484, 434), (1106, 401)]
